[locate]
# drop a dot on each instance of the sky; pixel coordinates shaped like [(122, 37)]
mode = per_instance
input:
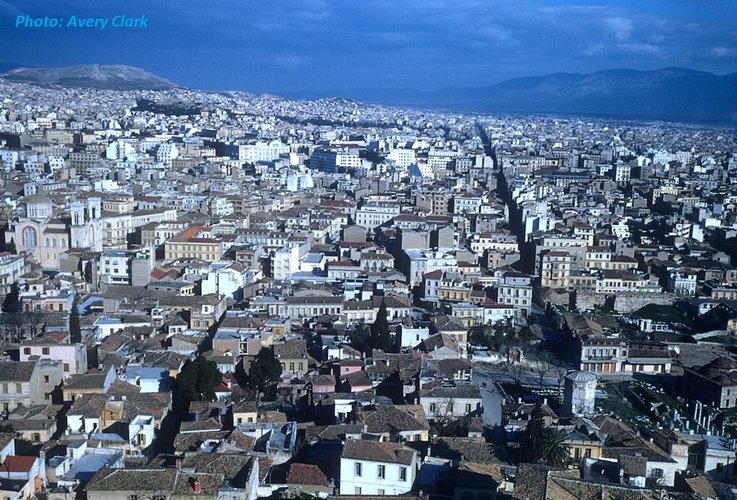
[(307, 45)]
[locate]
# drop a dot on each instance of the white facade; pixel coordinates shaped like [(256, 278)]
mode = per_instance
[(372, 215), (421, 262), (285, 262), (367, 477)]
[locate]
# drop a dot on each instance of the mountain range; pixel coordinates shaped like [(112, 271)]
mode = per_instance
[(98, 76), (668, 94)]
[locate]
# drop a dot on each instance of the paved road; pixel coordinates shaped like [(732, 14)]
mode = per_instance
[(492, 399)]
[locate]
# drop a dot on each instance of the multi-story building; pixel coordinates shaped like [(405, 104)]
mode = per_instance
[(515, 289), (555, 269), (72, 356), (12, 267), (376, 468), (117, 226), (197, 242), (26, 383), (714, 384), (373, 215), (126, 267), (682, 281)]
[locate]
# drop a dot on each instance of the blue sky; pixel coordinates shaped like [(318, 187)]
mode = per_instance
[(292, 45)]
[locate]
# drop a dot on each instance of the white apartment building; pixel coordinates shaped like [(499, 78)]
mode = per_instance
[(373, 215), (376, 468)]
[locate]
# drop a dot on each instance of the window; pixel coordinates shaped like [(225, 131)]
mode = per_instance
[(26, 350), (18, 388), (357, 469), (47, 396), (403, 473), (381, 472), (468, 408), (159, 497), (46, 379), (587, 453), (66, 367), (658, 473), (432, 407), (134, 497), (380, 492), (357, 490)]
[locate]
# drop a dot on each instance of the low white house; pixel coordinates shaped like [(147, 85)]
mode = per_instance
[(448, 403)]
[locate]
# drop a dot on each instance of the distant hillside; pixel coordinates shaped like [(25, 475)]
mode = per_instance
[(97, 76), (669, 93)]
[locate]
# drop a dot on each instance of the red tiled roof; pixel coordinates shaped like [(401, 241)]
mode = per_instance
[(17, 463)]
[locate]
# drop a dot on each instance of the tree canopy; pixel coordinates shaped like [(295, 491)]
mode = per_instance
[(198, 380), (75, 330), (265, 373), (555, 449), (381, 337), (533, 447)]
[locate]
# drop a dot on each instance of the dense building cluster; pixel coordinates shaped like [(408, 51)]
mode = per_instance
[(228, 295)]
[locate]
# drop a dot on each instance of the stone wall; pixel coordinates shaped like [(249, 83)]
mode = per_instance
[(624, 302)]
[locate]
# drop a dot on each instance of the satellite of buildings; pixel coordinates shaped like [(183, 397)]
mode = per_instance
[(227, 295)]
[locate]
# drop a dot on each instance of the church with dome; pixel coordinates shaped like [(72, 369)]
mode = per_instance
[(46, 231)]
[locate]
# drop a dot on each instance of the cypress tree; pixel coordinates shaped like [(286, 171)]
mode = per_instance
[(75, 330), (534, 445)]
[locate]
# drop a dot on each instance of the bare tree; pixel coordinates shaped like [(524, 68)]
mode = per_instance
[(443, 415), (541, 368), (34, 322), (517, 370)]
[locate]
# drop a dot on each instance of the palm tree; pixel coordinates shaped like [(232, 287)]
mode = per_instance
[(555, 448)]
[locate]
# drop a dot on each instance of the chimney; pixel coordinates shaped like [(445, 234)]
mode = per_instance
[(196, 487), (358, 410)]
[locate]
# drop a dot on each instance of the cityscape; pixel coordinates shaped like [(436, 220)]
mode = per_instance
[(520, 291)]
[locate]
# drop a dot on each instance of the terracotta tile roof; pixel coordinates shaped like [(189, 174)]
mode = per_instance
[(394, 419), (307, 474), (143, 480), (17, 463)]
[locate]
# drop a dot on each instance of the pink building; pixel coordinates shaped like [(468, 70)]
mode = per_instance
[(51, 346)]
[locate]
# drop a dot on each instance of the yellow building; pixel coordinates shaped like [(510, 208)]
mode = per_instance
[(197, 242)]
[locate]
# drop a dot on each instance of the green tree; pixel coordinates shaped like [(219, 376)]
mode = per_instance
[(11, 303), (75, 330), (360, 338), (555, 448), (198, 380), (381, 337), (265, 373), (533, 447)]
